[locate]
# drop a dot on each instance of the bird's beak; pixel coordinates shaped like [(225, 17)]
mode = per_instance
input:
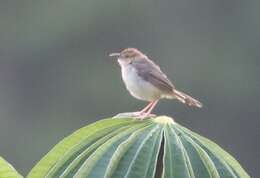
[(114, 54)]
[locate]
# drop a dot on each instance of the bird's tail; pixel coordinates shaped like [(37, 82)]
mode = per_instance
[(186, 99)]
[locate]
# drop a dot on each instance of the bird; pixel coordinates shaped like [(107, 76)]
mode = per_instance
[(145, 81)]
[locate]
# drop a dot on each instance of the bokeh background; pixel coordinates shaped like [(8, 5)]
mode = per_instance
[(56, 76)]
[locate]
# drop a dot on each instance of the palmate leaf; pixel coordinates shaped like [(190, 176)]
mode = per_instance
[(7, 170), (129, 148)]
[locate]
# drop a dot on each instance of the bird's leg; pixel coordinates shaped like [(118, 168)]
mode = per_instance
[(139, 113), (151, 108), (148, 113), (146, 108)]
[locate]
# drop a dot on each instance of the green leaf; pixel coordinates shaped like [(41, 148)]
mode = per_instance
[(121, 160), (73, 145), (218, 152), (129, 148), (174, 159), (144, 157), (96, 164), (7, 170)]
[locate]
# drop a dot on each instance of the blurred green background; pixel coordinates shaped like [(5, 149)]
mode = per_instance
[(56, 76)]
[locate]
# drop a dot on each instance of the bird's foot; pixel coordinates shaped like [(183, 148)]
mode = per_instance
[(127, 115), (144, 116), (136, 115)]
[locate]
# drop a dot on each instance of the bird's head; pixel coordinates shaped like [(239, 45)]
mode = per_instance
[(128, 55)]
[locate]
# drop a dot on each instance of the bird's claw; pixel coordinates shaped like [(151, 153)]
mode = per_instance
[(144, 116), (136, 115)]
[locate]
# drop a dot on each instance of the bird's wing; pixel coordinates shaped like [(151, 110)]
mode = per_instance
[(152, 73)]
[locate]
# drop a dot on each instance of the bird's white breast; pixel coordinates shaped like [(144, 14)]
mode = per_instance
[(138, 87)]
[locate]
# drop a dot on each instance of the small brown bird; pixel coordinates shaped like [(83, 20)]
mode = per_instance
[(145, 81)]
